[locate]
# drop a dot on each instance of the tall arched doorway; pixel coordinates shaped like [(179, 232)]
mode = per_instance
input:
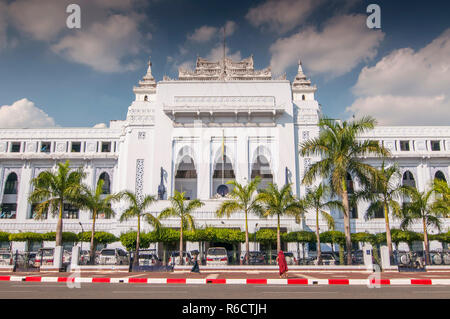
[(186, 177), (223, 172), (261, 168), (9, 200)]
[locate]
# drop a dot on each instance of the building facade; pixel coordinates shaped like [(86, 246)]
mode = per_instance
[(223, 121)]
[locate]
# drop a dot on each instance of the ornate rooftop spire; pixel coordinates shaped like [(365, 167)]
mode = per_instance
[(300, 80), (227, 69), (148, 82)]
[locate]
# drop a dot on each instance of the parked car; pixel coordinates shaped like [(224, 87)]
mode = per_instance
[(329, 258), (47, 257), (175, 258), (357, 257), (112, 256), (254, 258), (84, 257), (6, 257), (216, 256), (290, 258), (446, 257), (147, 257)]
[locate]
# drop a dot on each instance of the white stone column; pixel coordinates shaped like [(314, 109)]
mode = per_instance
[(23, 193), (384, 254), (75, 257), (367, 253)]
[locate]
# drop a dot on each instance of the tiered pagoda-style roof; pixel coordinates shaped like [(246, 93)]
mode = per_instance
[(148, 83), (301, 82), (225, 70)]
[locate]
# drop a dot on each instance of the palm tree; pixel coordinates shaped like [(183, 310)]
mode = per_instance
[(423, 208), (442, 195), (315, 199), (52, 189), (182, 208), (138, 208), (279, 202), (341, 153), (243, 200), (384, 193), (97, 203)]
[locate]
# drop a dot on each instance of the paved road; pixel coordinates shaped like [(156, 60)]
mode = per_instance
[(19, 290)]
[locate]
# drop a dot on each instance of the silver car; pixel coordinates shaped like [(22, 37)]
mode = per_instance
[(112, 256)]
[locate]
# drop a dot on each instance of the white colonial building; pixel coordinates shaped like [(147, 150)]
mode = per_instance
[(224, 120)]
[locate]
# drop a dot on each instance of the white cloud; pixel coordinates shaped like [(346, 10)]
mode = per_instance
[(104, 46), (407, 87), (282, 15), (343, 43), (109, 37), (3, 26), (203, 34), (24, 114), (404, 110), (206, 33), (216, 54), (187, 65), (43, 20), (100, 125), (230, 27)]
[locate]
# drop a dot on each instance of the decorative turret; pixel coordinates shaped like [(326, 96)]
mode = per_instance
[(301, 86), (146, 86)]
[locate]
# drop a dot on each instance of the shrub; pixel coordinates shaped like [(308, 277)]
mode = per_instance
[(363, 237), (129, 240), (299, 237), (27, 236), (4, 236), (265, 236), (66, 236), (100, 237), (332, 237)]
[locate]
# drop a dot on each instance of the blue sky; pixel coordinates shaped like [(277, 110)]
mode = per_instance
[(69, 77)]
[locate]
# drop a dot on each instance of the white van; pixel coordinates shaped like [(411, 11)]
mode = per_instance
[(216, 256)]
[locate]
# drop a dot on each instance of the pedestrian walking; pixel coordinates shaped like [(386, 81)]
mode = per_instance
[(195, 268), (282, 264)]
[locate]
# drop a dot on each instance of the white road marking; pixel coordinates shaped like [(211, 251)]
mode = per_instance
[(212, 276)]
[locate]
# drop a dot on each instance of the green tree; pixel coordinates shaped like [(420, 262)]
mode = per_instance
[(280, 202), (244, 200), (384, 192), (341, 153), (315, 199), (138, 209), (96, 202), (420, 206), (182, 208), (52, 189), (442, 196)]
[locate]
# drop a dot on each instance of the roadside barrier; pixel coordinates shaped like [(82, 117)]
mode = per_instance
[(243, 281)]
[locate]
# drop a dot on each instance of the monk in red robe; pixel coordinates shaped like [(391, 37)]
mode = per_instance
[(282, 264)]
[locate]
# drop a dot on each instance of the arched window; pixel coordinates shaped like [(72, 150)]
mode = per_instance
[(145, 98), (11, 184), (186, 177), (261, 168), (350, 189), (440, 176), (408, 179), (106, 189), (223, 172), (303, 97)]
